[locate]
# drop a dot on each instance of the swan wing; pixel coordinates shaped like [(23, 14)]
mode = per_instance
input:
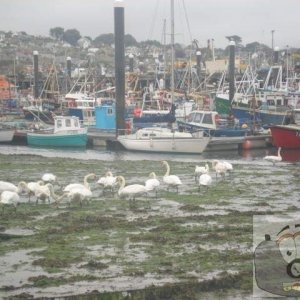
[(7, 186), (72, 186)]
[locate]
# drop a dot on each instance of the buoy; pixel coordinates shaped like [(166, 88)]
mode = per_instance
[(247, 145)]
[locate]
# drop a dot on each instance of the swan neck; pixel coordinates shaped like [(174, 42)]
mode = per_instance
[(85, 180), (122, 185), (168, 170)]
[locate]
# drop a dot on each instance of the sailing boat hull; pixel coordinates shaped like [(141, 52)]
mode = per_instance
[(162, 141)]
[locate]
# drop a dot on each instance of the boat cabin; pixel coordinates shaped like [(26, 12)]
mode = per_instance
[(66, 123), (206, 119), (106, 116)]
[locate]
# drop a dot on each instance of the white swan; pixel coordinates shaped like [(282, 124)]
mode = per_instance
[(205, 180), (108, 181), (170, 180), (228, 165), (9, 198), (49, 178), (44, 192), (85, 184), (199, 170), (130, 191), (79, 195), (274, 158), (7, 186), (32, 186), (152, 183), (219, 167)]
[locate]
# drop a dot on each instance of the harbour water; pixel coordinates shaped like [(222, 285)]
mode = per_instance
[(103, 154)]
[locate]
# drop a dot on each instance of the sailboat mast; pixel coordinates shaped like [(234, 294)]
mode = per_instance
[(172, 52)]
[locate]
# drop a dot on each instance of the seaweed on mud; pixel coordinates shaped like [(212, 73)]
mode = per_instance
[(191, 239)]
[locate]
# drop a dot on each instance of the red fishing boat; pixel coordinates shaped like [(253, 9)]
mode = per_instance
[(288, 136)]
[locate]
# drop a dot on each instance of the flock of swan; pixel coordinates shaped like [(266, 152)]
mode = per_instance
[(43, 189)]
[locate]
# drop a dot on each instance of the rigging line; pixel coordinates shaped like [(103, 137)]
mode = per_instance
[(187, 20), (153, 20)]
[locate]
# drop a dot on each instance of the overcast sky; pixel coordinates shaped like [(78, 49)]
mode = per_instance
[(252, 20)]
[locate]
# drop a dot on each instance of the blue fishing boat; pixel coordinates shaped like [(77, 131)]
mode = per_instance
[(66, 132), (213, 124)]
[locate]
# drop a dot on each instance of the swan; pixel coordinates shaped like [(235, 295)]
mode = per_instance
[(85, 184), (9, 198), (219, 167), (49, 178), (32, 186), (170, 180), (205, 180), (201, 170), (79, 194), (274, 158), (130, 191), (229, 166), (152, 183), (44, 192), (108, 181), (7, 186)]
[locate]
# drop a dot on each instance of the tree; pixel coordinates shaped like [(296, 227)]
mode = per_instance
[(72, 36), (57, 33), (129, 40), (150, 43), (237, 39), (107, 39)]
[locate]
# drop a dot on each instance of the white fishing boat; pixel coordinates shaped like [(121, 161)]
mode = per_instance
[(164, 140)]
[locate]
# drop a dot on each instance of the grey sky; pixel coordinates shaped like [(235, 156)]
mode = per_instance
[(252, 20)]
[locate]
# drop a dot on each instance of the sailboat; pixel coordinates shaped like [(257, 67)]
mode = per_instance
[(166, 140)]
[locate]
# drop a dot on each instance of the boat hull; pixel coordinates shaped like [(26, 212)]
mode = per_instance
[(220, 132), (166, 145), (6, 135), (286, 136), (57, 140)]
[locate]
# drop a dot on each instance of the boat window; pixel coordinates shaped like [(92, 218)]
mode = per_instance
[(198, 118), (58, 123), (297, 117), (76, 123), (109, 111), (207, 119), (68, 123)]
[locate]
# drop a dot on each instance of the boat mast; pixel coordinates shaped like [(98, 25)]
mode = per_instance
[(172, 52)]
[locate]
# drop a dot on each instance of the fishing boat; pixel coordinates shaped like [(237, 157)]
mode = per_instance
[(287, 136), (269, 102), (164, 140), (213, 124), (66, 132)]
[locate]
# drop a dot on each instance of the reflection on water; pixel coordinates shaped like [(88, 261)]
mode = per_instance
[(103, 154)]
